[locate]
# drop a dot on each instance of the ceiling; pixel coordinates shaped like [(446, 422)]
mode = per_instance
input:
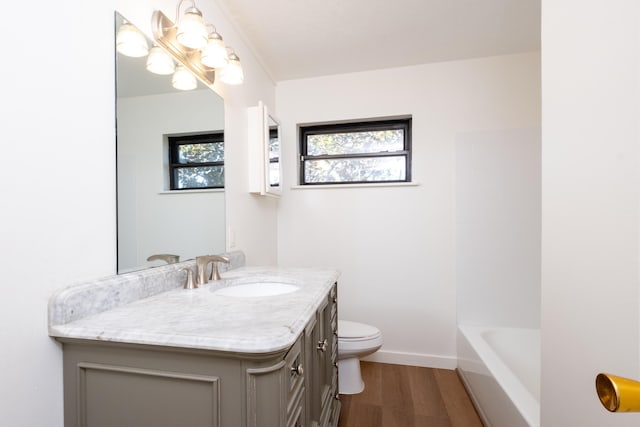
[(308, 38)]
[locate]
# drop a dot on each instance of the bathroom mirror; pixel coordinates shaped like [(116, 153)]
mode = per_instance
[(153, 219), (264, 133), (273, 156)]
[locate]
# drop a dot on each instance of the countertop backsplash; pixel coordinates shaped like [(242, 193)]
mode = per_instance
[(85, 299)]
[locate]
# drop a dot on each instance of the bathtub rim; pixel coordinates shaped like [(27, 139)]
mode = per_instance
[(522, 399)]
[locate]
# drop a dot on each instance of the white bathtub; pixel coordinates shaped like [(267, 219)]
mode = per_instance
[(501, 370)]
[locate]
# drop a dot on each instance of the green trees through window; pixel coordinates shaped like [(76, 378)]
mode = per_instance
[(363, 152), (196, 161)]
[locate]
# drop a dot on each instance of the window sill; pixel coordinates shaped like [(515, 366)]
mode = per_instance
[(193, 191), (369, 185)]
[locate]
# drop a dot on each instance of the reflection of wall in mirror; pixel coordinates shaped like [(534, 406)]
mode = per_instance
[(150, 221)]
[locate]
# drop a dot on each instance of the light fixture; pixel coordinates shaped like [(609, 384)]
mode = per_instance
[(232, 74), (130, 41), (214, 55), (164, 32), (191, 29), (183, 79), (203, 62), (159, 61)]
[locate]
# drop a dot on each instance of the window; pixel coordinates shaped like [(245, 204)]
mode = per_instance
[(196, 161), (356, 153)]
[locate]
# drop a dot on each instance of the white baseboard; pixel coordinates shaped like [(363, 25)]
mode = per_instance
[(413, 359)]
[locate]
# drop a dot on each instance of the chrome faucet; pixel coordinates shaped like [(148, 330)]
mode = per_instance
[(168, 258), (202, 265)]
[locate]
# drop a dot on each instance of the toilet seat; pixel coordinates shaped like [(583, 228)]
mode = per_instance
[(354, 331)]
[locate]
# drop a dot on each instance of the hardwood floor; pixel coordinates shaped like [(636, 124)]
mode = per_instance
[(408, 396)]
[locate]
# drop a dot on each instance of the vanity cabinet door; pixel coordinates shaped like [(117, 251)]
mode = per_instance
[(321, 349), (313, 400), (294, 381), (275, 394), (332, 366), (330, 410), (107, 385)]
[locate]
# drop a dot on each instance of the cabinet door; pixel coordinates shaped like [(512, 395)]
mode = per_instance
[(312, 374), (294, 374), (334, 402), (320, 354), (324, 350), (330, 410)]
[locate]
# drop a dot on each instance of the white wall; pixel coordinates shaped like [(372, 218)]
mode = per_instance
[(149, 219), (498, 228), (57, 184), (590, 115), (57, 188), (396, 246)]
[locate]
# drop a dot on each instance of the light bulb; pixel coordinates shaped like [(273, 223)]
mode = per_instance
[(215, 54), (192, 31), (159, 62), (183, 79), (232, 74), (130, 41)]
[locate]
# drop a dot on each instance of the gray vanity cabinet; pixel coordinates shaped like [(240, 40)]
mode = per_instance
[(109, 384)]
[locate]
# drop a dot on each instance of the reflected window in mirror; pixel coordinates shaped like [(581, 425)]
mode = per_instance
[(196, 161), (274, 156)]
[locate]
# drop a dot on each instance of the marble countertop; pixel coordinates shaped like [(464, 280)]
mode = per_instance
[(199, 318)]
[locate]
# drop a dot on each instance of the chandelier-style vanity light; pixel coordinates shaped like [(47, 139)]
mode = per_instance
[(130, 41), (198, 50)]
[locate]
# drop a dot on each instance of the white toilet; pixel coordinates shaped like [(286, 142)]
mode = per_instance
[(355, 340)]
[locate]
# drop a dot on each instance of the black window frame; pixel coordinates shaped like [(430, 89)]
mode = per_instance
[(174, 143), (404, 123)]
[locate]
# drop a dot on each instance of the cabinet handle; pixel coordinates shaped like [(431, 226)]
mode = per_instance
[(298, 370), (322, 345)]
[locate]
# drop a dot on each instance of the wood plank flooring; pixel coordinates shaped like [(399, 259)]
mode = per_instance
[(408, 396)]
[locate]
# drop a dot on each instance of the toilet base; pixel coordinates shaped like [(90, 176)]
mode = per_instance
[(349, 376)]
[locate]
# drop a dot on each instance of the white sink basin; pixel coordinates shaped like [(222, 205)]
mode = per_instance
[(259, 289)]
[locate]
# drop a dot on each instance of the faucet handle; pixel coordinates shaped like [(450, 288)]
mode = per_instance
[(189, 284), (215, 274)]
